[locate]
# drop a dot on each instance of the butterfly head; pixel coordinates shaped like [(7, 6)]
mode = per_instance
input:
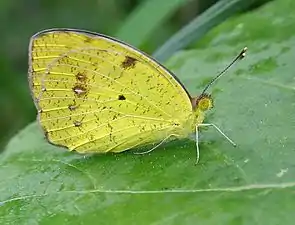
[(200, 105), (203, 102)]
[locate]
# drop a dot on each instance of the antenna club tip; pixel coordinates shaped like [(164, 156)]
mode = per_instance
[(240, 56), (243, 53)]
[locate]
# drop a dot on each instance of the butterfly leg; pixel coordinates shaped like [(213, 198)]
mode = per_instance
[(152, 149), (197, 146), (218, 129)]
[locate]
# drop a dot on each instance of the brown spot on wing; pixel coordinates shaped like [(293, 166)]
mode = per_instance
[(80, 90), (81, 77), (72, 107), (77, 123), (88, 40), (129, 62)]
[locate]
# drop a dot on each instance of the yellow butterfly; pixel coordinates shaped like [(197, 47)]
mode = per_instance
[(97, 94)]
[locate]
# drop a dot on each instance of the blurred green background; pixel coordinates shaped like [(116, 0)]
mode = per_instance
[(20, 19)]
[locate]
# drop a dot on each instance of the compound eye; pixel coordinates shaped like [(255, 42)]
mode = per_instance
[(202, 102), (205, 104)]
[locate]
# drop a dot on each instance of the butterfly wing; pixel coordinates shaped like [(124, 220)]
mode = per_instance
[(97, 94)]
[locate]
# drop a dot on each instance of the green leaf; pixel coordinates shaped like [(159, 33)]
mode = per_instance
[(146, 18), (250, 184), (198, 27)]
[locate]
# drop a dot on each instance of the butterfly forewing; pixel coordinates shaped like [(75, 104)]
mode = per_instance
[(95, 93)]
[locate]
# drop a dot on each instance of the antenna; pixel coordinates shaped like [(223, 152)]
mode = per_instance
[(241, 55)]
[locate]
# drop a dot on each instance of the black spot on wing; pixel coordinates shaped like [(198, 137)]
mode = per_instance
[(121, 97)]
